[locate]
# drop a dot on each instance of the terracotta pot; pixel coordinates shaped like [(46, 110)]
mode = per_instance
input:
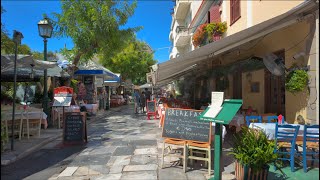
[(244, 172)]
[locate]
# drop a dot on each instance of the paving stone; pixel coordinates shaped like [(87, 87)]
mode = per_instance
[(149, 167), (148, 175), (68, 171), (120, 151), (119, 160), (108, 177), (143, 159), (102, 169), (172, 173), (144, 142), (195, 175), (86, 160), (103, 150), (121, 143), (146, 151), (81, 171), (115, 169)]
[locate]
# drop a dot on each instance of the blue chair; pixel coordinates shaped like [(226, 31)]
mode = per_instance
[(275, 119), (250, 119), (311, 143), (285, 137)]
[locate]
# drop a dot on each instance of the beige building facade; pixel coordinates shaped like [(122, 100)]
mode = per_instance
[(294, 40)]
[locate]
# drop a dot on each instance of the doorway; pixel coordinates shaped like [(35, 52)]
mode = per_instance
[(275, 90)]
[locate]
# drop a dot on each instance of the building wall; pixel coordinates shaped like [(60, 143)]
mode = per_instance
[(253, 99)]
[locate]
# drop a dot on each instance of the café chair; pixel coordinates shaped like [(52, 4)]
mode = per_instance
[(285, 138), (199, 151), (250, 119), (265, 116), (179, 144), (274, 119), (310, 145)]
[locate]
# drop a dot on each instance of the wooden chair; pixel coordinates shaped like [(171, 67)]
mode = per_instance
[(310, 145), (17, 124), (32, 122), (250, 119), (181, 144), (265, 117), (286, 140), (204, 149), (57, 117)]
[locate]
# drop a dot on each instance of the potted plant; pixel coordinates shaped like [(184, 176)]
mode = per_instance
[(253, 152), (199, 36), (297, 81), (215, 30)]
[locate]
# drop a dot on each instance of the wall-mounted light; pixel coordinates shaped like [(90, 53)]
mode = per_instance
[(32, 71), (249, 76)]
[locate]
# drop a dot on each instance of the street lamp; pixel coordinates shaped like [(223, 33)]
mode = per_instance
[(17, 36), (45, 30)]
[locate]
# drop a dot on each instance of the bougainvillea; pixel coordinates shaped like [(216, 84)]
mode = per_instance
[(199, 35)]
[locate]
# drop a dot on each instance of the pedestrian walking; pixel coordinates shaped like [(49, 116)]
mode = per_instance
[(147, 93), (136, 97), (143, 101)]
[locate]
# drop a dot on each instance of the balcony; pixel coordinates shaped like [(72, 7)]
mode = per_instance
[(181, 9), (183, 36), (171, 36)]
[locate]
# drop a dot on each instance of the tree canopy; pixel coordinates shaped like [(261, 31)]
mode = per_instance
[(133, 62), (7, 44), (95, 27)]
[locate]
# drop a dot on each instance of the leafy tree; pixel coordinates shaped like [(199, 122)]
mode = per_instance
[(40, 56), (133, 62), (94, 26), (7, 44)]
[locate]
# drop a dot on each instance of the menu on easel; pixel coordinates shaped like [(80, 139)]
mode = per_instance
[(216, 105)]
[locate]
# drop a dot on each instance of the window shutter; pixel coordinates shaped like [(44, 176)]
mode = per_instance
[(234, 10)]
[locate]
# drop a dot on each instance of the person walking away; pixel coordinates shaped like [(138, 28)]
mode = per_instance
[(143, 101), (147, 94), (136, 97)]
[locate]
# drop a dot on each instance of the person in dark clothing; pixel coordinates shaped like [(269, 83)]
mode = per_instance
[(147, 94), (143, 101)]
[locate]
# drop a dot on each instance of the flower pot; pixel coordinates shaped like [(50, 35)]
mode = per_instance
[(244, 172), (216, 37)]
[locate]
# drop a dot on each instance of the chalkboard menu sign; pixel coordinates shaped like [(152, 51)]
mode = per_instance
[(151, 106), (88, 83), (183, 124), (74, 128)]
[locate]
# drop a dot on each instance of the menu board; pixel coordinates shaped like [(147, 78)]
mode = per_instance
[(183, 124), (88, 83), (151, 106), (74, 128)]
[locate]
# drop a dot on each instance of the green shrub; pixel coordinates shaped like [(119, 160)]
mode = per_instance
[(252, 148), (297, 81), (4, 139)]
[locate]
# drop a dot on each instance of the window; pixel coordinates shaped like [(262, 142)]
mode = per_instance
[(234, 11)]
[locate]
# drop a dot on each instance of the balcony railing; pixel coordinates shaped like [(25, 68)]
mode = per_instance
[(183, 36)]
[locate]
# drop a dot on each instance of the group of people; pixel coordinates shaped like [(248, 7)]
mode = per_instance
[(140, 99)]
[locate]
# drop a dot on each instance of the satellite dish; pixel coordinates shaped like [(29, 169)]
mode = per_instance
[(274, 64)]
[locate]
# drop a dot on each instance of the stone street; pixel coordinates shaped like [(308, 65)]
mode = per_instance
[(126, 146)]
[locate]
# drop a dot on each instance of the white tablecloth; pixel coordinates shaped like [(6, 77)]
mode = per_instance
[(270, 129), (91, 107), (29, 115)]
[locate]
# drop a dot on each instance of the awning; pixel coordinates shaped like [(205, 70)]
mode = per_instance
[(174, 68), (147, 85), (92, 68)]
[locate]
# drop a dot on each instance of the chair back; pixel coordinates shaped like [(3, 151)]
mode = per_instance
[(250, 119), (286, 133), (310, 134), (265, 116), (273, 119)]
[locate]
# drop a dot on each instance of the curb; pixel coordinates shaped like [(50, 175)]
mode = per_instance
[(43, 143), (30, 150)]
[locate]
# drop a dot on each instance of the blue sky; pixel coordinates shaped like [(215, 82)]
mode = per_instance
[(24, 16)]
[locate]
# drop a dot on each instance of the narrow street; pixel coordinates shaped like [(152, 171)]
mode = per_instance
[(113, 142)]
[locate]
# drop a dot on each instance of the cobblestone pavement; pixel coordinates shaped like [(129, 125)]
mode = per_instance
[(125, 145)]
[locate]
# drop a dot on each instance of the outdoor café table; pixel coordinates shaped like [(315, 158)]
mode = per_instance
[(93, 108), (26, 116), (270, 129)]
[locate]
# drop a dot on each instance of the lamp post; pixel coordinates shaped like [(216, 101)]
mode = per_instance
[(45, 30), (17, 36)]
